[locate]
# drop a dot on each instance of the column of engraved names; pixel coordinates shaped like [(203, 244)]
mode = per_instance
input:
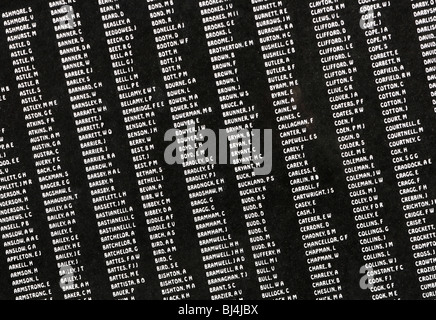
[(404, 135), (218, 19), (274, 28), (21, 243), (115, 218), (223, 257), (424, 13), (361, 173), (53, 179), (138, 106)]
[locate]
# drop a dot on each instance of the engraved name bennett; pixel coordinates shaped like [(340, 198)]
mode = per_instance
[(225, 310)]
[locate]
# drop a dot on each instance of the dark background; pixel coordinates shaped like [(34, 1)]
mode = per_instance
[(283, 222)]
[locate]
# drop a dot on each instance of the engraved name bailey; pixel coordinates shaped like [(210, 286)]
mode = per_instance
[(217, 150)]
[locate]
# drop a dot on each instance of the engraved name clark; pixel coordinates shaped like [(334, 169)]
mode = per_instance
[(227, 310)]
